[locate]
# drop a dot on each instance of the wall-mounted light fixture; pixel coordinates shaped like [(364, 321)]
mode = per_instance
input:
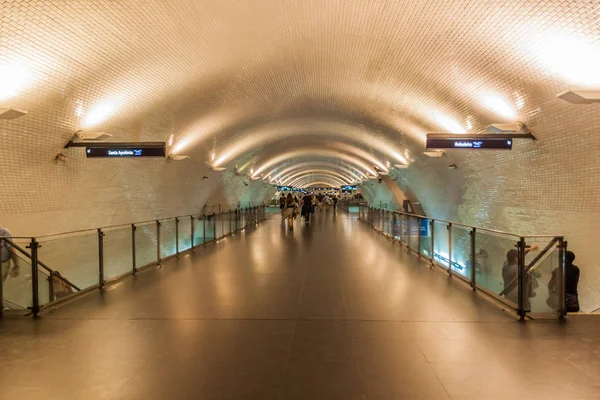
[(174, 157), (434, 153), (89, 135), (576, 96), (11, 113)]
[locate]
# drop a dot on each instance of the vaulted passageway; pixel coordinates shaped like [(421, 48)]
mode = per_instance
[(330, 310)]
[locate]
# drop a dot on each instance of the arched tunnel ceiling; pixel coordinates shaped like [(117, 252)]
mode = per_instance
[(240, 80), (304, 91)]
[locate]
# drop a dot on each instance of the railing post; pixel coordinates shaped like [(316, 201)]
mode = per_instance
[(158, 242), (562, 251), (35, 300), (432, 229), (215, 226), (133, 254), (176, 236), (192, 233), (203, 229), (521, 286), (449, 227), (419, 240), (473, 260), (408, 234), (100, 258)]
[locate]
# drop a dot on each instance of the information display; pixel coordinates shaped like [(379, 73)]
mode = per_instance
[(469, 143), (125, 151)]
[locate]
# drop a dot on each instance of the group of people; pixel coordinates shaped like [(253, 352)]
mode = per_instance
[(510, 271), (291, 206)]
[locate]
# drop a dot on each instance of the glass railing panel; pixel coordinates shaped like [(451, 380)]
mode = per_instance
[(385, 222), (404, 227), (395, 226), (540, 297), (415, 227), (167, 238), (209, 228), (426, 244), (145, 244), (75, 257), (199, 230), (490, 255), (219, 233), (228, 222), (17, 290), (441, 252), (185, 233), (45, 294), (461, 251), (118, 252)]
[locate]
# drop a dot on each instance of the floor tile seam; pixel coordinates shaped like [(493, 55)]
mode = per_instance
[(275, 319)]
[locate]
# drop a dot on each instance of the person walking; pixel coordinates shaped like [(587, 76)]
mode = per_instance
[(290, 209), (307, 207), (8, 254), (335, 201), (282, 204), (571, 282)]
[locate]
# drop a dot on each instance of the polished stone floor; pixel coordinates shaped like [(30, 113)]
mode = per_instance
[(327, 311)]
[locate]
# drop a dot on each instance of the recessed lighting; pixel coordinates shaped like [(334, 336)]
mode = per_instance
[(12, 80), (11, 113), (218, 169), (98, 114), (499, 106), (400, 166), (449, 124)]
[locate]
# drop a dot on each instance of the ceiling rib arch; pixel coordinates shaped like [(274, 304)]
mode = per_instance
[(344, 178), (256, 137), (327, 154), (312, 164), (301, 182)]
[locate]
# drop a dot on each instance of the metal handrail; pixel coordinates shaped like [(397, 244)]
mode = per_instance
[(381, 219), (479, 228), (94, 230), (49, 270), (244, 218)]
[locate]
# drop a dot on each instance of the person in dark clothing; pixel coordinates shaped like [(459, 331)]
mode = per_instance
[(282, 204), (335, 200), (510, 272), (571, 283), (307, 207)]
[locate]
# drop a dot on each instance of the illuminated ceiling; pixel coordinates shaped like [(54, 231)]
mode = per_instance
[(292, 91)]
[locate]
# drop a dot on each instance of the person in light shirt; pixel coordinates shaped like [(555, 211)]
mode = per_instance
[(8, 254)]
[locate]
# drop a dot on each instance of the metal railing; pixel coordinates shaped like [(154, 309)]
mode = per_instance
[(519, 279), (79, 261)]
